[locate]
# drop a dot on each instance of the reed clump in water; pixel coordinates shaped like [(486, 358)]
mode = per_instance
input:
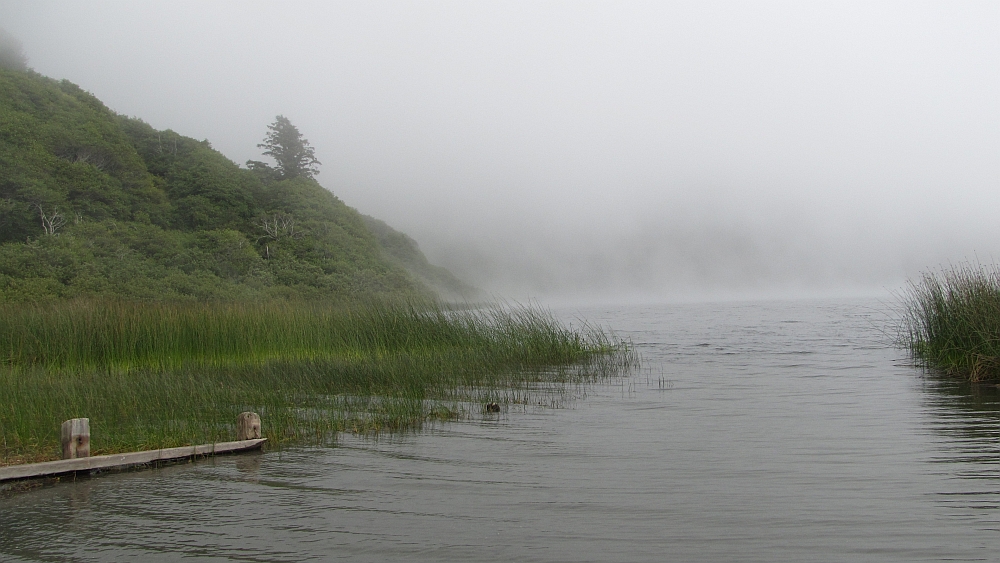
[(152, 375), (952, 321)]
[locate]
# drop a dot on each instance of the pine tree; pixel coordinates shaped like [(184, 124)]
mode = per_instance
[(292, 153)]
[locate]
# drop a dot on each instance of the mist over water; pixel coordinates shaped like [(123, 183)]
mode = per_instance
[(591, 150)]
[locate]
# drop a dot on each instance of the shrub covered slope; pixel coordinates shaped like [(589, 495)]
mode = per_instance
[(97, 204)]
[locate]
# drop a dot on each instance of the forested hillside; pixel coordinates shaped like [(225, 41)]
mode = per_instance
[(97, 204)]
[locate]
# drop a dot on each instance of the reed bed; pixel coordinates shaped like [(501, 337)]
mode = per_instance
[(951, 321), (151, 375)]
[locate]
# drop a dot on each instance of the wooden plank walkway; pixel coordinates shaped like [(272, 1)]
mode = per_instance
[(120, 461)]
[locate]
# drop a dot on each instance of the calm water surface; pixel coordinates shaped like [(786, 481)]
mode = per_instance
[(770, 431)]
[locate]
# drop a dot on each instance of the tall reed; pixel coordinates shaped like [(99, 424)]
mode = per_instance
[(163, 374), (951, 321)]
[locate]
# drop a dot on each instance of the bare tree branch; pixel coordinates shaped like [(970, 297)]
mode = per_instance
[(277, 226), (51, 222)]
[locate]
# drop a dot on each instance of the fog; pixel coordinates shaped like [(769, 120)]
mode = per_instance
[(572, 150)]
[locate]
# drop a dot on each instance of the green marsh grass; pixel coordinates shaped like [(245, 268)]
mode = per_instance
[(151, 375), (951, 321)]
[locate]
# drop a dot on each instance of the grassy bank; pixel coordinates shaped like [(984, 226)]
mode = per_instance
[(952, 321), (152, 375)]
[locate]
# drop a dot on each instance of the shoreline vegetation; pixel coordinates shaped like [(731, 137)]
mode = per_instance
[(951, 322), (155, 375)]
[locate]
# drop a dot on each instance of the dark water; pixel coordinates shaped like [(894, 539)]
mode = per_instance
[(779, 431)]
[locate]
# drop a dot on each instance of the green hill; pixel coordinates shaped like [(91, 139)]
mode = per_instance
[(93, 203), (403, 250)]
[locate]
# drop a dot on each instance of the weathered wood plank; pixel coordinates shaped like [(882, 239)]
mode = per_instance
[(52, 468)]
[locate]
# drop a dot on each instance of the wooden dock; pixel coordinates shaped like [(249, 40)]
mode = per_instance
[(122, 461)]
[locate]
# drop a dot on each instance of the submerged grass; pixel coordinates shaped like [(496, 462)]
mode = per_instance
[(951, 321), (152, 375)]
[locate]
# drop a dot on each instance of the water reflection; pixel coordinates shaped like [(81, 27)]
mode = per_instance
[(967, 415), (248, 464)]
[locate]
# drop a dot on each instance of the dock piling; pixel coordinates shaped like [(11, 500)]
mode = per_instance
[(76, 438), (248, 426)]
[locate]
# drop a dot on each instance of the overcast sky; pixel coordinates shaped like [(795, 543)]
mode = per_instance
[(561, 150)]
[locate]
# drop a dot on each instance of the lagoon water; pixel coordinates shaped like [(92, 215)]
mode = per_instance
[(760, 431)]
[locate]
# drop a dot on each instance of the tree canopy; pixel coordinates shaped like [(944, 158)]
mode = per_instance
[(292, 153)]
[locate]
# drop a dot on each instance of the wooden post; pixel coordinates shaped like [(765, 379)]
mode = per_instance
[(76, 438), (248, 426)]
